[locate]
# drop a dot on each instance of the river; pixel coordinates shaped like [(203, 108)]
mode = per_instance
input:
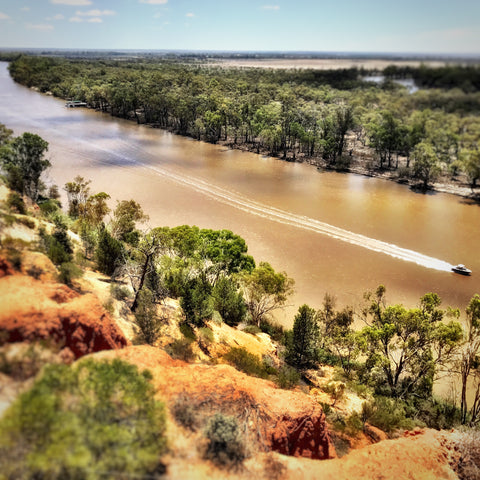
[(331, 232)]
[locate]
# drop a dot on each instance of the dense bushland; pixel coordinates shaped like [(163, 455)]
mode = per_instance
[(328, 118)]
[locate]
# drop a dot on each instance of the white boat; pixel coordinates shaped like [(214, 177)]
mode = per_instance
[(75, 103), (461, 269)]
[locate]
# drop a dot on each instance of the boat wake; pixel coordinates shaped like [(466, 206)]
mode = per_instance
[(299, 221), (252, 207)]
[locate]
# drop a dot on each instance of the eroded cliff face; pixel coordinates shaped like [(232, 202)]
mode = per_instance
[(35, 310), (289, 422)]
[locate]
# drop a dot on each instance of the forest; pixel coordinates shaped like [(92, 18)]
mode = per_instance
[(330, 118)]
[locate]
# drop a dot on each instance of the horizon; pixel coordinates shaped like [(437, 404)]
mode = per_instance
[(412, 28), (254, 54)]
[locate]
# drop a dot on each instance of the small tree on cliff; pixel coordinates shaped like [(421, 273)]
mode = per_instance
[(228, 301), (265, 290), (109, 252), (303, 343), (408, 346), (470, 362), (146, 317), (24, 161)]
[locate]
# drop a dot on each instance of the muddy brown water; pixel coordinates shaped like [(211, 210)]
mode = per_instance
[(331, 232)]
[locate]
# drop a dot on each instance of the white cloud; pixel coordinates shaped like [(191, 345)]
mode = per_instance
[(4, 16), (59, 16), (94, 13), (77, 3), (25, 9), (270, 7), (75, 19), (95, 20), (190, 15), (154, 2), (39, 26)]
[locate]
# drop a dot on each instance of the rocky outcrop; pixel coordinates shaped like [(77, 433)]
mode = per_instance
[(428, 455), (289, 422), (32, 310), (301, 436)]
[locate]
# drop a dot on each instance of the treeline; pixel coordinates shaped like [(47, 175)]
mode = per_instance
[(329, 118), (466, 78)]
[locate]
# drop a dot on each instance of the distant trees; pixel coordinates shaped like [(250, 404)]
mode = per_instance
[(290, 113), (472, 166), (425, 164)]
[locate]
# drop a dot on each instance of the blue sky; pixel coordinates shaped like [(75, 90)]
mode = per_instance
[(417, 26)]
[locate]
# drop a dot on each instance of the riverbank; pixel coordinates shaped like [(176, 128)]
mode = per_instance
[(362, 161)]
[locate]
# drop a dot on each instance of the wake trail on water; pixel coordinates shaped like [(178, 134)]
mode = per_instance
[(252, 207)]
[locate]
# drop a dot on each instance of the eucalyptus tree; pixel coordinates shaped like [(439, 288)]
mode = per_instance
[(425, 163), (265, 290), (23, 160), (469, 362), (408, 347)]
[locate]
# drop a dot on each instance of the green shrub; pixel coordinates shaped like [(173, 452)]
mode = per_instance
[(79, 421), (35, 272), (109, 306), (388, 414), (49, 207), (147, 318), (57, 246), (9, 220), (187, 331), (228, 301), (197, 302), (288, 377), (225, 445), (351, 425), (206, 334), (438, 414), (67, 272), (15, 203), (109, 252), (246, 362), (120, 292), (273, 329), (181, 349), (252, 329)]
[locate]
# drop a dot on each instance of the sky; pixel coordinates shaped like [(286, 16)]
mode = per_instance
[(407, 26)]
